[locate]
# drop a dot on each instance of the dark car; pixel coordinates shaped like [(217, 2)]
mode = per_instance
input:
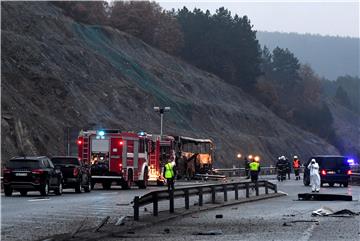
[(333, 169), (25, 174), (76, 173)]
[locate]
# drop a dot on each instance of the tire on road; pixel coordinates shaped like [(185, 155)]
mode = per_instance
[(89, 186), (44, 189), (59, 189), (143, 184)]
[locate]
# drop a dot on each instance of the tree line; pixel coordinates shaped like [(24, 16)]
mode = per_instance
[(226, 45)]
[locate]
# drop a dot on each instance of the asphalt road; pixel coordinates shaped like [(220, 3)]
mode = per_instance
[(283, 218), (33, 217)]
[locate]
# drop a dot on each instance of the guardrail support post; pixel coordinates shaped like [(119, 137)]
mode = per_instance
[(247, 189), (257, 188), (225, 193), (171, 199), (213, 194), (187, 206), (275, 188), (136, 208), (236, 187), (155, 204), (266, 188), (200, 196)]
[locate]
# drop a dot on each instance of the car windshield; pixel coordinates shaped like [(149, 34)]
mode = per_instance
[(30, 164), (333, 162), (65, 161)]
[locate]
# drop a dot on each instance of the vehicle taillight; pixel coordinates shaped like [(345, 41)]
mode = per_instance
[(37, 171), (349, 172), (79, 142), (6, 171), (76, 172), (323, 172), (121, 143)]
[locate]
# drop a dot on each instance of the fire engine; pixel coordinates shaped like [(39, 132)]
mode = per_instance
[(125, 157)]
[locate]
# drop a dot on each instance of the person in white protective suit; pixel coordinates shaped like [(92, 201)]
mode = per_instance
[(314, 175)]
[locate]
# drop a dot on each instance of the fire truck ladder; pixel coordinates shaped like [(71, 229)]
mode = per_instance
[(85, 156)]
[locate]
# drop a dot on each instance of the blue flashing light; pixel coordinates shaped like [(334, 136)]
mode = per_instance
[(141, 133), (101, 133), (351, 162)]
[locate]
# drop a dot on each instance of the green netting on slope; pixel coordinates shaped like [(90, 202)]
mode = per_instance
[(95, 37)]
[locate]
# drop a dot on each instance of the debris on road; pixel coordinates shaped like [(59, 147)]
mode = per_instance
[(103, 222), (79, 227), (219, 216), (323, 197), (322, 212), (300, 221), (212, 232), (166, 230), (120, 221)]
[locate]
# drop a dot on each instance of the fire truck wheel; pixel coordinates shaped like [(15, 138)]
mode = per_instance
[(143, 184), (106, 185)]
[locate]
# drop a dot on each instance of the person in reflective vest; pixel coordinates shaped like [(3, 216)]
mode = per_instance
[(254, 170), (296, 167), (169, 174)]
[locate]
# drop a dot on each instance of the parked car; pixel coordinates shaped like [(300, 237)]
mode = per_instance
[(333, 169), (25, 174), (76, 173)]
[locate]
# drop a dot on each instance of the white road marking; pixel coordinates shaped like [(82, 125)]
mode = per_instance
[(37, 200)]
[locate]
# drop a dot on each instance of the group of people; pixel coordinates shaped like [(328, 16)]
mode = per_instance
[(283, 167)]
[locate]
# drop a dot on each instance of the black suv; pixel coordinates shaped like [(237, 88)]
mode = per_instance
[(76, 173), (31, 173), (333, 169)]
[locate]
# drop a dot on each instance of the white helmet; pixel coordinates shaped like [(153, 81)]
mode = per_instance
[(313, 160), (283, 157), (295, 157)]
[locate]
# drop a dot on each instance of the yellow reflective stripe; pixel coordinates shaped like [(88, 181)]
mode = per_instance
[(254, 166), (169, 173)]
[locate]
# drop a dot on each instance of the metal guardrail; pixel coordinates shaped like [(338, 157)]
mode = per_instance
[(241, 171), (156, 196)]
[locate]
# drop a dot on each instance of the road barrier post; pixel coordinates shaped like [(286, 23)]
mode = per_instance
[(155, 203), (266, 188), (171, 199), (257, 188), (225, 193), (200, 196), (213, 194), (187, 206), (236, 187), (247, 189), (136, 208)]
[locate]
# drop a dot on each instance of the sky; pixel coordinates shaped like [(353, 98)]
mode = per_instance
[(324, 17)]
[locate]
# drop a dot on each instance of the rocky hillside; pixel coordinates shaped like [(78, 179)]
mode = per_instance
[(57, 73)]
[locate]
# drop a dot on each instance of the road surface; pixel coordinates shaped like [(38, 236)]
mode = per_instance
[(33, 217), (283, 218)]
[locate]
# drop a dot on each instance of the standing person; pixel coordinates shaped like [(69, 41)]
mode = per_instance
[(169, 174), (288, 163), (314, 175), (296, 167), (247, 167), (254, 170)]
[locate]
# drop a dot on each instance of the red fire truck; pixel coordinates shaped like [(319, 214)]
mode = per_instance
[(124, 157)]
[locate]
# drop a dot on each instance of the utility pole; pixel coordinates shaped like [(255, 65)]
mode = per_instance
[(161, 110)]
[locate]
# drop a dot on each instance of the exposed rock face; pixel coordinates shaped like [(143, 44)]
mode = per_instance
[(57, 73)]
